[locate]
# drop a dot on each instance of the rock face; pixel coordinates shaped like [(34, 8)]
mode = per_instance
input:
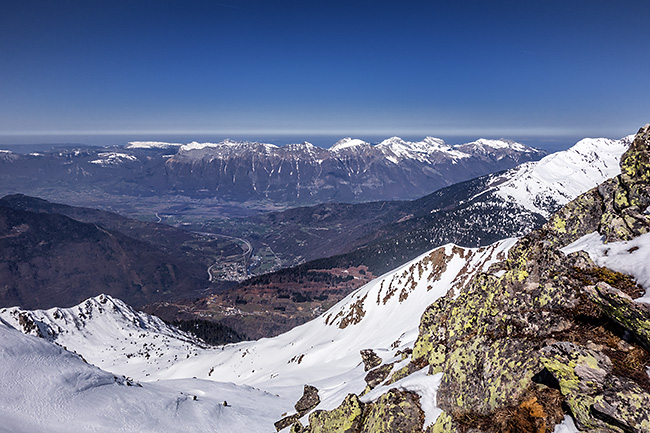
[(543, 335)]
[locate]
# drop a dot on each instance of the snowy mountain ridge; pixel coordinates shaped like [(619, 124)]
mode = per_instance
[(393, 149), (544, 186), (108, 333), (236, 172)]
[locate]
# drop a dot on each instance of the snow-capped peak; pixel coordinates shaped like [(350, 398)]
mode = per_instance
[(556, 179), (400, 146), (98, 329), (348, 143), (113, 158), (305, 145), (396, 148)]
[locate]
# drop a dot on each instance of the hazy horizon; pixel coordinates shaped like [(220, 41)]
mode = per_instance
[(42, 142)]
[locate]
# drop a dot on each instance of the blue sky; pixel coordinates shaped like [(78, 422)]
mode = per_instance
[(511, 69)]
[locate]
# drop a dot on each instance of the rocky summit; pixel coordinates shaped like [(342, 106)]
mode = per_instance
[(542, 336)]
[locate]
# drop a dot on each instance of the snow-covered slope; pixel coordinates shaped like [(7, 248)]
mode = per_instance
[(544, 186), (43, 387)]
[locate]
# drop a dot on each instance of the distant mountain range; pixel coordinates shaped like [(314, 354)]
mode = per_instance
[(244, 172), (477, 212)]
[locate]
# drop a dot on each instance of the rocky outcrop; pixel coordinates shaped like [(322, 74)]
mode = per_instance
[(540, 324), (370, 359), (541, 335), (378, 375), (395, 411), (308, 401)]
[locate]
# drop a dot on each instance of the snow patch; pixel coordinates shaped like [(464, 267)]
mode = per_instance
[(628, 257)]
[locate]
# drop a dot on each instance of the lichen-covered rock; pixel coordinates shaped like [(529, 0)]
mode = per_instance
[(346, 418), (483, 375), (625, 406), (577, 218), (378, 375), (617, 305), (635, 169), (370, 359), (297, 427), (403, 372), (598, 399), (308, 401), (394, 412), (429, 346), (488, 340)]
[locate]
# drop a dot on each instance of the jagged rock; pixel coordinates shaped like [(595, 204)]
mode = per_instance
[(407, 370), (286, 421), (621, 308), (635, 169), (615, 208), (429, 347), (487, 341), (308, 401), (370, 359), (396, 411), (597, 398), (625, 407), (378, 375), (347, 418)]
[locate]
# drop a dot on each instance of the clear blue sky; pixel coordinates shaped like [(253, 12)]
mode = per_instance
[(485, 68)]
